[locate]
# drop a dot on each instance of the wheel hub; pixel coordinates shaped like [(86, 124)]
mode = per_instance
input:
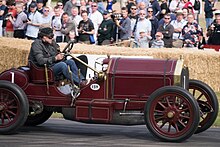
[(170, 114), (2, 107)]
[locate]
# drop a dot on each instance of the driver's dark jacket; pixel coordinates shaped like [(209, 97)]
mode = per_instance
[(43, 53)]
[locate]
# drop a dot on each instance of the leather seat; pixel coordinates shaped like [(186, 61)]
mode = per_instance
[(38, 75)]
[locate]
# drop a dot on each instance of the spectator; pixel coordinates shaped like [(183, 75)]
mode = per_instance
[(124, 27), (109, 5), (57, 25), (101, 7), (68, 27), (214, 31), (81, 9), (60, 5), (192, 32), (34, 22), (134, 18), (144, 39), (105, 30), (185, 13), (69, 5), (209, 8), (158, 42), (40, 4), (19, 22), (156, 7), (146, 2), (84, 6), (77, 18), (11, 13), (2, 10), (167, 30), (153, 20), (178, 25), (197, 5), (142, 24), (176, 5), (85, 29), (130, 4), (142, 6), (96, 18), (64, 2), (46, 18), (164, 9), (75, 15)]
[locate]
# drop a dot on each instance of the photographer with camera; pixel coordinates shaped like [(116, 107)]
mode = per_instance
[(9, 31), (214, 31), (124, 27)]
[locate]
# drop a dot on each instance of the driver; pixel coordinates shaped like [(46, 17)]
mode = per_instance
[(44, 50)]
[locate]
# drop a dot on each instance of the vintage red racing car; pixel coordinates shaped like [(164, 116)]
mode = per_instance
[(127, 91)]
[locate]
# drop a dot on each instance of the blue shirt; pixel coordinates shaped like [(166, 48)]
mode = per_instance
[(2, 7)]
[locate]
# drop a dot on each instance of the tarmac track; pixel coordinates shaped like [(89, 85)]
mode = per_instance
[(64, 133)]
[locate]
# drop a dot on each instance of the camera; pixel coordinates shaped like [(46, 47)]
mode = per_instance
[(8, 15), (116, 16)]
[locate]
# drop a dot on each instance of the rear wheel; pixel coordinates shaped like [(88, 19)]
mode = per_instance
[(13, 107), (172, 114), (207, 101)]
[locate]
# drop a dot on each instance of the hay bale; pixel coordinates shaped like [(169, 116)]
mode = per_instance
[(203, 65)]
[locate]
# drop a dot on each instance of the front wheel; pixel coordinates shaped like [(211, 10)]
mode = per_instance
[(171, 114), (207, 101), (13, 107)]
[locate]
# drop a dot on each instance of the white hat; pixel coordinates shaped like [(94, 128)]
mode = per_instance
[(217, 12), (142, 31)]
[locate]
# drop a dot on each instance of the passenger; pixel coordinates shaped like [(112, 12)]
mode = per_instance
[(44, 50)]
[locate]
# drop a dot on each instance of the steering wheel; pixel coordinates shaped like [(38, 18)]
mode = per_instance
[(68, 47)]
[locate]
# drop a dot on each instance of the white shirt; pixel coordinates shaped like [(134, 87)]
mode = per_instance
[(36, 18), (96, 18), (77, 19), (176, 25), (142, 25), (57, 25)]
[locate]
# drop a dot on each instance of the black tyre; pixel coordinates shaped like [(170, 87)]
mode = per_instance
[(14, 107), (207, 101), (34, 120), (171, 114)]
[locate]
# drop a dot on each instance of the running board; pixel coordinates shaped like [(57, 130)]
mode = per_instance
[(124, 113)]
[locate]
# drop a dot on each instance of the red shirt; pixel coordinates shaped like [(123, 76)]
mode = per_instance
[(9, 25)]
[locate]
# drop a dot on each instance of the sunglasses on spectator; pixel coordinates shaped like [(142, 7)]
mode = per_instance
[(50, 36), (142, 14), (149, 11), (46, 10), (166, 18), (133, 8), (59, 5), (158, 36), (94, 6)]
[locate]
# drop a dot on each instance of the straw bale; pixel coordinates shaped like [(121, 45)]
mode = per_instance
[(203, 64)]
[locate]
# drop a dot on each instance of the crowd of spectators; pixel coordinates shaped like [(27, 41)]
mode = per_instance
[(139, 23)]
